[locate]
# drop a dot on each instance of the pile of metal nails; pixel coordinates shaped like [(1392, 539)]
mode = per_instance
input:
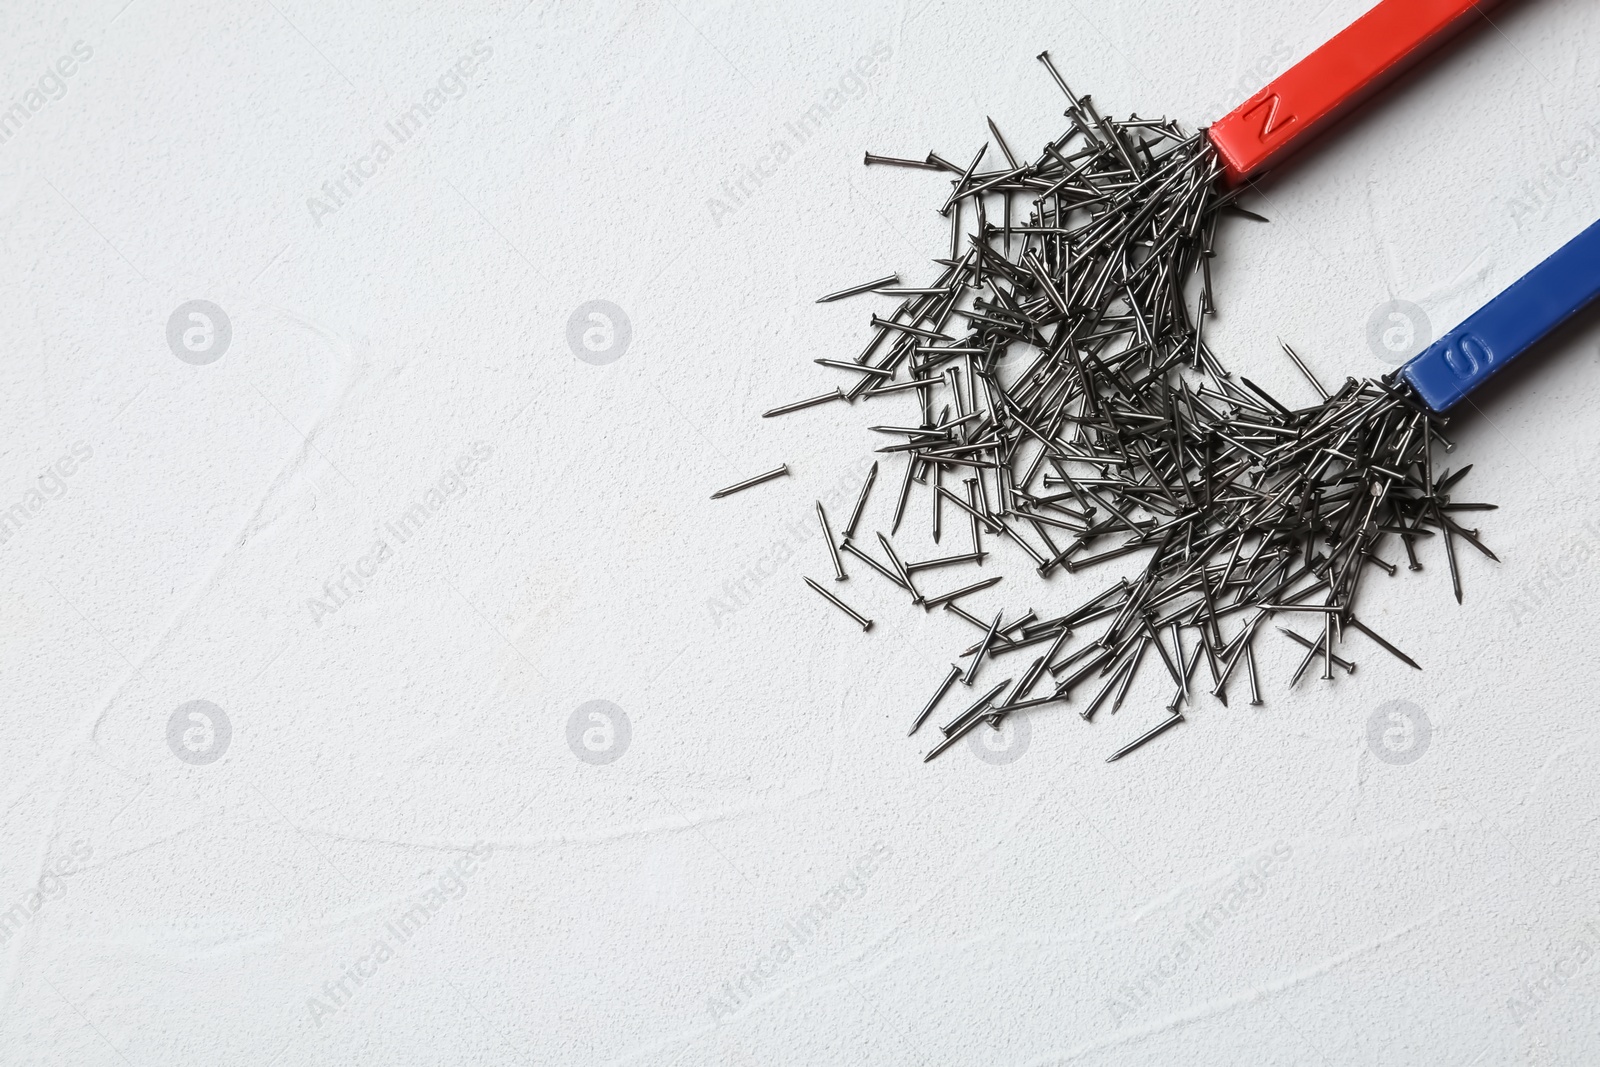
[(1069, 404)]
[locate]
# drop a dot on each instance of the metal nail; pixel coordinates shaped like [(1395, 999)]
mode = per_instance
[(833, 546), (933, 702), (861, 620), (776, 472), (1147, 736)]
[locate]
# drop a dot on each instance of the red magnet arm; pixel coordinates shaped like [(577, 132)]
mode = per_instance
[(1364, 57)]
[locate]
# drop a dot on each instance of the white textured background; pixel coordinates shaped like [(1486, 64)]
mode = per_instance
[(767, 873)]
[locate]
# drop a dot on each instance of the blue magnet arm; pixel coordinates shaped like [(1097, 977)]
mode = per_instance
[(1508, 325)]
